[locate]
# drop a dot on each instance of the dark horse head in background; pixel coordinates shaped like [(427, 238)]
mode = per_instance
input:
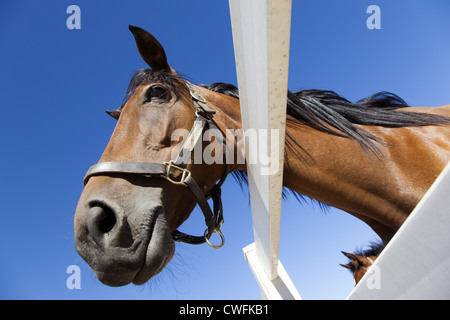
[(145, 186)]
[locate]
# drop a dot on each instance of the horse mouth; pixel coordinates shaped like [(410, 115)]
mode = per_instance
[(118, 260), (159, 250)]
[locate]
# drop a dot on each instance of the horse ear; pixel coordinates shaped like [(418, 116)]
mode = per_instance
[(114, 113), (347, 266), (354, 258), (150, 49), (351, 256)]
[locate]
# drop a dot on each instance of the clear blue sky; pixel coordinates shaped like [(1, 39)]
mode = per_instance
[(56, 83)]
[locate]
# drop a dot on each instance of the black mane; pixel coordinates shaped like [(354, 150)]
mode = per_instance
[(328, 112), (147, 76)]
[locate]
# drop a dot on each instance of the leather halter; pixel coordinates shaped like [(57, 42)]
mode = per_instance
[(213, 218)]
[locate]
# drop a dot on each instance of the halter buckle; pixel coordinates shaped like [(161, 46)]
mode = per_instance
[(196, 96), (199, 102), (185, 173)]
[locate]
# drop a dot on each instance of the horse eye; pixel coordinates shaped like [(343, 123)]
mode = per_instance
[(158, 92)]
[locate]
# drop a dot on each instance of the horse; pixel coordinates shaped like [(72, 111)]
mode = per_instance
[(362, 260), (374, 159)]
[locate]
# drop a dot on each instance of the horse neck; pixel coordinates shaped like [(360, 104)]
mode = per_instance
[(228, 119), (331, 169)]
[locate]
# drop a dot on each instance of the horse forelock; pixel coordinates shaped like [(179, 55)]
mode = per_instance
[(174, 81)]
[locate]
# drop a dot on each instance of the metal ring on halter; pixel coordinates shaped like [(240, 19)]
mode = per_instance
[(222, 237)]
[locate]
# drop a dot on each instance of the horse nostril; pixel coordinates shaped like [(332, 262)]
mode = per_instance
[(102, 217)]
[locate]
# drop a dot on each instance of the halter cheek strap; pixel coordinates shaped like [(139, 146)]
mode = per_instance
[(166, 170)]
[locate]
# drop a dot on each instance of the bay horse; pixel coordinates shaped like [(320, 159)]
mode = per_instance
[(374, 159)]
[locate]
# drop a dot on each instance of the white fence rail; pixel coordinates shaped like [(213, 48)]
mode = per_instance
[(416, 262)]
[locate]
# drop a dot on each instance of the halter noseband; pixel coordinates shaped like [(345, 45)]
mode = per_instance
[(213, 218)]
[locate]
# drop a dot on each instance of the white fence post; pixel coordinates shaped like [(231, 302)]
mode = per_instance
[(261, 34)]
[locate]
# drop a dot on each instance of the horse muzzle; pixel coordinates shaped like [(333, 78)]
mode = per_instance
[(123, 244)]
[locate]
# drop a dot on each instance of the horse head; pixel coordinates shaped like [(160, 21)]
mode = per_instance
[(362, 260), (358, 265), (145, 185)]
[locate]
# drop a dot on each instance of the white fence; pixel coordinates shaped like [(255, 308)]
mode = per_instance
[(414, 265), (261, 34)]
